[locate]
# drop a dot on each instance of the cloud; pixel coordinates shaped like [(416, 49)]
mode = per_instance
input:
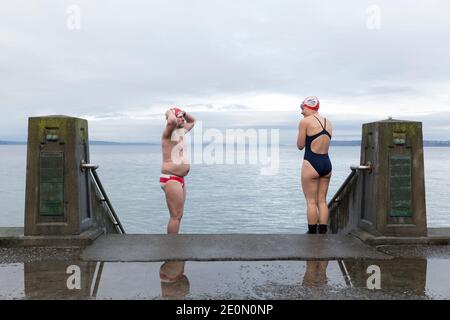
[(131, 60), (393, 89)]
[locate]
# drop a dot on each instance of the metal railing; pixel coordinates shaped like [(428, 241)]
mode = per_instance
[(355, 168), (336, 197), (113, 216), (367, 167), (342, 217)]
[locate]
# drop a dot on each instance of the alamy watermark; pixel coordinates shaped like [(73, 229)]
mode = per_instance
[(374, 280), (373, 21), (73, 19), (259, 147), (74, 280)]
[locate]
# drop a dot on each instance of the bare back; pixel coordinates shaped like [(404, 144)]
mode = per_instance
[(320, 144)]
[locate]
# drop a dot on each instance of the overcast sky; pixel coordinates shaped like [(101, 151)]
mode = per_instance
[(231, 63)]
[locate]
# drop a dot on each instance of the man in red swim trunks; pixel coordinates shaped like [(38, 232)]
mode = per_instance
[(174, 166)]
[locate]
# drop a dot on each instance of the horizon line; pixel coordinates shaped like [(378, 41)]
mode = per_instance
[(432, 142)]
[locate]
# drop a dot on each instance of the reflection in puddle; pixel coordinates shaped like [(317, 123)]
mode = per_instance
[(56, 280), (174, 283), (405, 276), (316, 273), (343, 279)]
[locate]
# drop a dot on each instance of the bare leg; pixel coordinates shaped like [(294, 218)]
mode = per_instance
[(324, 182), (310, 186), (171, 271), (175, 196), (184, 195), (316, 273)]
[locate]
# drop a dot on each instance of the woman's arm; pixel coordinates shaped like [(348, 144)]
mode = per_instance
[(301, 135)]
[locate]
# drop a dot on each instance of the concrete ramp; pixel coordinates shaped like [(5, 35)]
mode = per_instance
[(208, 247)]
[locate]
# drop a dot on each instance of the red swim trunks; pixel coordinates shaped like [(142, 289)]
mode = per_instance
[(163, 178)]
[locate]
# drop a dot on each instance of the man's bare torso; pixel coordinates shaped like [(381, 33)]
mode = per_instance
[(174, 157)]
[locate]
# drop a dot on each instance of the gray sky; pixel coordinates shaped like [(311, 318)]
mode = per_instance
[(231, 63)]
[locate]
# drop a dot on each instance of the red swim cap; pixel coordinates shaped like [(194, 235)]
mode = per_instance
[(311, 103), (178, 112)]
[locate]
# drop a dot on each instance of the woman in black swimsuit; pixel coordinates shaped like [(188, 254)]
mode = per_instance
[(314, 134)]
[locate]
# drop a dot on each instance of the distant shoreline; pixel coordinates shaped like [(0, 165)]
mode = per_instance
[(334, 143)]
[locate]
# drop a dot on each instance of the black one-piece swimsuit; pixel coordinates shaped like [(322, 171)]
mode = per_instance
[(320, 162)]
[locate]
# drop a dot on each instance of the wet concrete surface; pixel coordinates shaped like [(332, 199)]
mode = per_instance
[(208, 247), (34, 254), (400, 278), (416, 251), (409, 272)]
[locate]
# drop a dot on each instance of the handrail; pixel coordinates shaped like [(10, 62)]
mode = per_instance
[(355, 168), (341, 188), (342, 217), (92, 169), (96, 279), (367, 167), (344, 271)]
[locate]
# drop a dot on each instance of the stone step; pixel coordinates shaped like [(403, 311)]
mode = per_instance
[(207, 247)]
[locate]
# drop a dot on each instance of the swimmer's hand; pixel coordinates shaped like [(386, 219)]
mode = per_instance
[(170, 116)]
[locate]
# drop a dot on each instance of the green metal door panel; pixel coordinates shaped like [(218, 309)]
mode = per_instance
[(400, 186), (51, 191)]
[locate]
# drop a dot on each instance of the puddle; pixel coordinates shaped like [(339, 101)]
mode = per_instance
[(342, 279)]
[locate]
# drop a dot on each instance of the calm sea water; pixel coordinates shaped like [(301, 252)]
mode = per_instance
[(220, 198)]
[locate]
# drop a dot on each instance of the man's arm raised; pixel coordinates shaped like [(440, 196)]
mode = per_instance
[(171, 124), (190, 121)]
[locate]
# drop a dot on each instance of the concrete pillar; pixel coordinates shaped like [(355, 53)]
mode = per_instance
[(57, 190), (392, 195)]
